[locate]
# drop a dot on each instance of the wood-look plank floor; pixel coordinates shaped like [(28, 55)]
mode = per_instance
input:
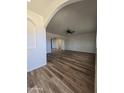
[(66, 72)]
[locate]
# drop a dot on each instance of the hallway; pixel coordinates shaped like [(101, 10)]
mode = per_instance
[(66, 72)]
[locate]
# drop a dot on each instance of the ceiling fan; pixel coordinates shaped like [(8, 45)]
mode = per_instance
[(68, 31)]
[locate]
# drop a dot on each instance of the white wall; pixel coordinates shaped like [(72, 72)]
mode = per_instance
[(84, 42), (36, 42), (31, 35)]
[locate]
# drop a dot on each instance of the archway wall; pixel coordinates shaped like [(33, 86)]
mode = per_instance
[(36, 19), (48, 8), (39, 14), (58, 6), (36, 41)]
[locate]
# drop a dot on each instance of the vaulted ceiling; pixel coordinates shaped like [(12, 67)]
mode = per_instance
[(80, 17)]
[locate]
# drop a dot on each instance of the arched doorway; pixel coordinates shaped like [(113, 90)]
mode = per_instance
[(69, 71)]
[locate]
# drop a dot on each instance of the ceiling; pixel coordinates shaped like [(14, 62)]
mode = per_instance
[(45, 8), (80, 17), (40, 6)]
